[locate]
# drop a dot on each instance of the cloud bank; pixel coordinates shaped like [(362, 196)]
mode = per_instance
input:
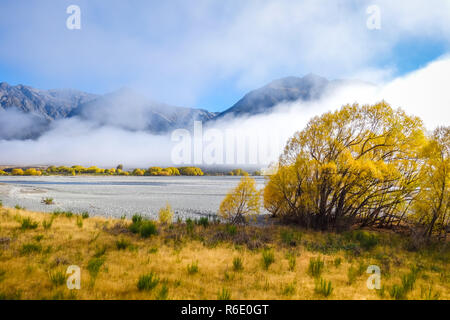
[(423, 93)]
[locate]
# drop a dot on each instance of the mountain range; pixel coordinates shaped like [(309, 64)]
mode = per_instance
[(130, 110)]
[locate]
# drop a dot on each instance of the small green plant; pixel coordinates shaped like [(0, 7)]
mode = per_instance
[(192, 268), (427, 293), (39, 237), (79, 222), (163, 293), (68, 214), (366, 240), (224, 294), (147, 282), (237, 264), (28, 223), (145, 228), (231, 229), (1, 204), (94, 266), (268, 258), (189, 225), (397, 292), (29, 248), (337, 262), (352, 274), (47, 224), (323, 287), (408, 281), (100, 251), (315, 267), (122, 244), (166, 214), (85, 215), (203, 221), (289, 289), (57, 278), (290, 238), (292, 261), (48, 201), (17, 207)]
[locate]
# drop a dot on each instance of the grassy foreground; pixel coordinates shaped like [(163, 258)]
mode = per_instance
[(209, 261)]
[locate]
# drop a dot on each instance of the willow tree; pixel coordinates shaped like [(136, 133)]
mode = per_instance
[(355, 165), (241, 202), (432, 205)]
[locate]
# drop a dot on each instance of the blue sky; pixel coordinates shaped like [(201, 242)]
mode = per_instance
[(209, 53)]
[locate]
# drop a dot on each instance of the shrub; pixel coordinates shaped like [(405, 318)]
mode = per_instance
[(145, 228), (17, 207), (323, 287), (231, 229), (47, 224), (163, 293), (122, 244), (203, 221), (408, 281), (166, 214), (192, 268), (290, 238), (1, 203), (224, 294), (337, 262), (48, 201), (366, 240), (100, 251), (29, 248), (397, 292), (268, 258), (57, 278), (289, 289), (27, 223), (79, 222), (237, 264), (85, 215), (189, 225), (292, 260), (315, 267), (147, 282), (94, 266)]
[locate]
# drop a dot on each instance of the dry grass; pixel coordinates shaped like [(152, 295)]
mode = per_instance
[(25, 274)]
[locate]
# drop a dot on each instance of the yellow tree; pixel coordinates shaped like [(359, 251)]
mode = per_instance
[(354, 165), (432, 205), (241, 202)]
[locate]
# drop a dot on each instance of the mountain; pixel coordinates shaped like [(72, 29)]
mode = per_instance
[(46, 104), (129, 110), (308, 88)]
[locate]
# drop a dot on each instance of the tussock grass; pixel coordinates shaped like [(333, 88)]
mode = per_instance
[(30, 259)]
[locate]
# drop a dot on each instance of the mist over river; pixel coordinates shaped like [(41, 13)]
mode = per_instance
[(115, 196)]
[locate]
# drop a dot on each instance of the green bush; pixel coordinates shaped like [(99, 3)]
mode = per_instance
[(94, 266), (323, 287), (366, 240), (237, 264), (48, 201), (397, 292), (27, 223), (315, 267), (231, 229), (122, 244), (145, 228), (289, 289), (203, 221), (29, 248), (47, 224), (85, 215), (290, 238), (57, 278), (292, 260), (163, 293), (268, 258), (224, 294), (192, 268), (147, 282)]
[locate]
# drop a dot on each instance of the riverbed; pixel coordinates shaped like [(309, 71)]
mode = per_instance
[(118, 196)]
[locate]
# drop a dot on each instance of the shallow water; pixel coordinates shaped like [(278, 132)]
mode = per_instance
[(118, 196)]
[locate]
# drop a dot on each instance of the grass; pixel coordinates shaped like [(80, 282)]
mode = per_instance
[(147, 282), (267, 258), (28, 223), (192, 268), (33, 262), (48, 201), (237, 264), (315, 267)]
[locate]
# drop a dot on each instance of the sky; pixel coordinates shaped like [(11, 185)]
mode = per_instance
[(209, 53)]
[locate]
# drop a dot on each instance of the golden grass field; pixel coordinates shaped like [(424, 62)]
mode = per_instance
[(32, 258)]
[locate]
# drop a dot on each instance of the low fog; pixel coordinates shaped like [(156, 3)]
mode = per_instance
[(423, 93)]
